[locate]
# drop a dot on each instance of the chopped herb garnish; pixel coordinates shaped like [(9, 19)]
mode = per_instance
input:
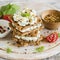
[(58, 34), (8, 50), (25, 14), (40, 49)]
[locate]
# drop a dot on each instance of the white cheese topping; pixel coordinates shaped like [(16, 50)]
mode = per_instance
[(24, 21), (29, 38), (25, 17), (31, 28)]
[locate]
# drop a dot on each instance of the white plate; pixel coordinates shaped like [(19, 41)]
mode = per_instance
[(20, 53)]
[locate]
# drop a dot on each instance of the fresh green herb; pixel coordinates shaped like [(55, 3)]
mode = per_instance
[(8, 50), (0, 14), (58, 34), (8, 9), (25, 14), (40, 49)]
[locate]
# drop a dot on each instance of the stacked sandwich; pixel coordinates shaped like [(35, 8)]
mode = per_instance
[(26, 27)]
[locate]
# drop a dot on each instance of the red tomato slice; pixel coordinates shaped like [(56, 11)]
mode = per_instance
[(7, 17), (52, 37)]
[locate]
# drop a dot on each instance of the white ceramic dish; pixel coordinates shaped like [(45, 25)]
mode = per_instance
[(6, 24), (28, 53)]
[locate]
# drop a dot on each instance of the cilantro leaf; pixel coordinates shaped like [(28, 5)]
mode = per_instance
[(25, 14), (9, 9), (8, 50), (40, 49)]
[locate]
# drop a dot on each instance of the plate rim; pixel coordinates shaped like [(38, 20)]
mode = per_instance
[(37, 57)]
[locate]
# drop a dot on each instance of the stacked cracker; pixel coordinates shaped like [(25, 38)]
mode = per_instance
[(26, 26)]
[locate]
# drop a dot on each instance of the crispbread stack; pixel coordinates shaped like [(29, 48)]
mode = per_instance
[(27, 35)]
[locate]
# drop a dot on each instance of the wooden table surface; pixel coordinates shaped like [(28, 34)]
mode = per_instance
[(56, 3)]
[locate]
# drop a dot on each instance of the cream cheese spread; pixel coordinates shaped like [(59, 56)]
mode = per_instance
[(25, 17), (29, 38)]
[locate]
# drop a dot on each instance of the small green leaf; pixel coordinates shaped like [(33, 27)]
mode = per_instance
[(8, 50), (25, 14), (58, 34), (16, 7), (40, 49)]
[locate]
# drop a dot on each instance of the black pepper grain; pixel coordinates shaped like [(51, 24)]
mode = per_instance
[(8, 28)]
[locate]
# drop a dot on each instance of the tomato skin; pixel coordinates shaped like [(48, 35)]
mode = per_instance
[(52, 37), (7, 17)]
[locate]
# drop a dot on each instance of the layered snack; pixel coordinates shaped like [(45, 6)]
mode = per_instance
[(26, 26)]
